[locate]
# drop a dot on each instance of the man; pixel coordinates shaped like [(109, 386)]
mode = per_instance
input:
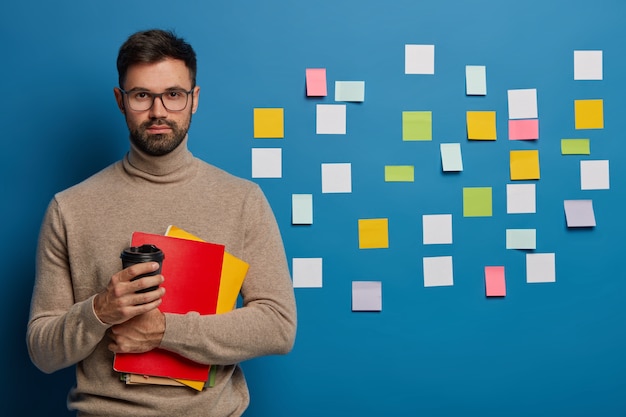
[(85, 309)]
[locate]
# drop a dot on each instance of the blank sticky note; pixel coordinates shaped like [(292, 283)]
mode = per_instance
[(438, 271), (481, 125), (367, 296), (419, 59), (331, 119), (302, 209), (540, 267), (373, 233), (527, 129), (594, 175), (477, 202), (575, 147), (587, 65), (353, 91), (337, 178), (589, 114), (269, 123), (267, 163), (451, 158), (521, 238), (316, 82), (437, 229), (475, 80), (417, 125), (579, 213), (524, 165), (521, 198), (307, 272), (522, 103), (399, 173), (495, 284)]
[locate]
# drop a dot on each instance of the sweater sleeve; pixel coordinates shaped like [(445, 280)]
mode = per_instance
[(61, 331), (266, 323)]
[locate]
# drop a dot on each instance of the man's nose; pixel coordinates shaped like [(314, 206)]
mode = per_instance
[(158, 109)]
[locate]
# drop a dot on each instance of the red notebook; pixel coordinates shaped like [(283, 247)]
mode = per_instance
[(192, 271)]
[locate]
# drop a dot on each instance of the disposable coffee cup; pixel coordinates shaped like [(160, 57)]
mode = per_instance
[(140, 254)]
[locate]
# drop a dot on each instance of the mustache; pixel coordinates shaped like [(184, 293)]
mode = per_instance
[(158, 122)]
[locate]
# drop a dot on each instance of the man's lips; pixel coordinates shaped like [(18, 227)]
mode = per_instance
[(158, 128)]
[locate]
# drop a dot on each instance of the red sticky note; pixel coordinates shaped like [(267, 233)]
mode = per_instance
[(524, 129), (316, 82), (494, 281)]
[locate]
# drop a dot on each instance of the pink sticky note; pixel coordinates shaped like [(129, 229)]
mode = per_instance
[(316, 82), (494, 281), (524, 129)]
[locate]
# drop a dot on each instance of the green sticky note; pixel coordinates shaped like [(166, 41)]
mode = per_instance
[(399, 173), (521, 238), (575, 147), (477, 202), (350, 91), (417, 125)]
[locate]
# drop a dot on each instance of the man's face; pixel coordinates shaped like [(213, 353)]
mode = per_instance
[(158, 131)]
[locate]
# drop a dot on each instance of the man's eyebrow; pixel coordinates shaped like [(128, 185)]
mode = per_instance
[(147, 90)]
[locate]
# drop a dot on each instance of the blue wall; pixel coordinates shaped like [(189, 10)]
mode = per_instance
[(543, 350)]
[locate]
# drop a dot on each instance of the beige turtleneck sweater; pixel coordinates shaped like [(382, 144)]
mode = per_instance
[(83, 232)]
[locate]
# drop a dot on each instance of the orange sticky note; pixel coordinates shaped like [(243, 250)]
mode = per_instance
[(589, 114), (481, 125), (373, 233), (269, 123), (316, 82), (524, 165), (495, 284), (524, 129)]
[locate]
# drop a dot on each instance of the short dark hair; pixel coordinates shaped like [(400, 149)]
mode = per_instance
[(151, 46)]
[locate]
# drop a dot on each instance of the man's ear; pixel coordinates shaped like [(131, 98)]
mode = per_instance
[(196, 97), (119, 98)]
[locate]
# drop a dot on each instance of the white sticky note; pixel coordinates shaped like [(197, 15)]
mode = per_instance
[(594, 175), (267, 163), (579, 213), (302, 209), (521, 238), (331, 119), (307, 272), (437, 229), (523, 104), (337, 178), (540, 267), (475, 80), (587, 65), (419, 59), (350, 91), (451, 158), (438, 271), (520, 198), (367, 296)]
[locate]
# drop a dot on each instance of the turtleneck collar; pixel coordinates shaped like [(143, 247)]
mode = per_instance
[(173, 167)]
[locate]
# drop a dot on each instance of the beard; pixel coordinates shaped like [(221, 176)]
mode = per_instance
[(158, 144)]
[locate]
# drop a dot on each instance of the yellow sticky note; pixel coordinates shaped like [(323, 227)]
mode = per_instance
[(589, 114), (481, 125), (269, 123), (524, 165), (373, 233), (477, 202), (399, 173)]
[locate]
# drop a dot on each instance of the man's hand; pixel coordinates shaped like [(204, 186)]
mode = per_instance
[(120, 302), (139, 334)]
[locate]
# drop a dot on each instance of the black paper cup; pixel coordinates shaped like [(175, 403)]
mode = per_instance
[(140, 254)]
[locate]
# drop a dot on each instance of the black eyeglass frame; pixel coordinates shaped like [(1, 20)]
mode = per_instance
[(160, 96)]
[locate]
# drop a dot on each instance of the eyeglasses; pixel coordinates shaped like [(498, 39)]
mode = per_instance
[(173, 100)]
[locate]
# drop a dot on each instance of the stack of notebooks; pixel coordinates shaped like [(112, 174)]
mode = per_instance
[(200, 277)]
